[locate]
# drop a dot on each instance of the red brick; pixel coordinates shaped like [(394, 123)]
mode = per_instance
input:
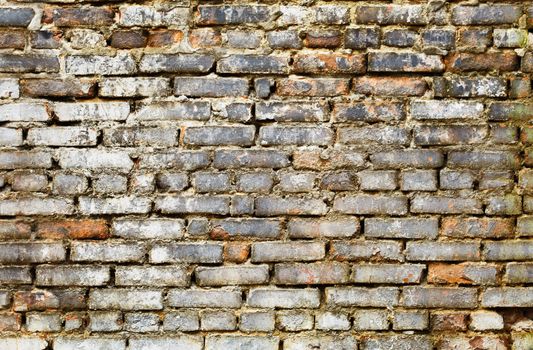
[(74, 229)]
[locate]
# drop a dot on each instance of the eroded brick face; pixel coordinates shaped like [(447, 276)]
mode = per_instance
[(272, 175)]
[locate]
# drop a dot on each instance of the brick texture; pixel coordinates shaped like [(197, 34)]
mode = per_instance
[(266, 175)]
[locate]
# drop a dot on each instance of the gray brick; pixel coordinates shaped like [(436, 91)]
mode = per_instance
[(72, 275), (440, 297), (251, 228), (253, 64), (511, 297), (214, 342), (331, 228), (93, 343), (365, 250), (256, 158), (186, 253), (149, 228), (442, 251), (276, 135), (287, 251), (387, 273), (125, 299), (19, 253), (189, 204), (297, 111), (398, 342), (173, 276), (362, 204), (205, 298), (232, 275), (219, 135), (257, 322), (366, 297), (154, 63), (210, 87), (323, 342), (283, 298), (106, 251), (312, 273)]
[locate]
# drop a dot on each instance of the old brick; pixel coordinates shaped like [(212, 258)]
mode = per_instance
[(362, 38), (328, 63), (154, 63), (226, 14), (186, 253), (287, 251), (125, 299), (313, 273), (382, 135), (16, 17), (128, 39), (366, 250), (391, 14), (469, 62), (389, 86), (507, 297), (231, 275), (284, 298), (470, 87), (120, 64), (28, 63), (477, 227), (165, 38), (438, 251), (341, 342), (404, 62), (152, 16), (374, 111), (253, 64), (73, 229), (205, 298), (323, 39), (464, 273), (483, 14), (312, 87), (210, 87), (445, 204), (161, 276), (365, 297), (362, 204), (57, 88), (387, 273), (440, 297), (219, 135)]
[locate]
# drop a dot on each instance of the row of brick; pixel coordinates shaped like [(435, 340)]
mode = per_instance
[(325, 341), (128, 299), (255, 321), (452, 86), (272, 135), (120, 160), (123, 63), (438, 41), (395, 205), (150, 16), (319, 273), (369, 111), (139, 229), (276, 251), (264, 182)]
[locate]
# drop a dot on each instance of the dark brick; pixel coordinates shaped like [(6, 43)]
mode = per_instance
[(362, 38), (57, 88), (44, 39), (164, 38), (323, 39), (329, 64), (400, 37), (486, 14), (128, 39), (16, 17), (470, 62), (391, 14), (404, 62), (12, 39), (232, 14), (28, 63), (372, 111), (253, 64), (313, 87), (83, 16), (470, 87)]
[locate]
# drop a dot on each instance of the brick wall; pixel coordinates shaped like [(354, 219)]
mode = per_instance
[(313, 175)]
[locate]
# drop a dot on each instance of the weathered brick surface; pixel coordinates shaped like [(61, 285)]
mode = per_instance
[(333, 175)]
